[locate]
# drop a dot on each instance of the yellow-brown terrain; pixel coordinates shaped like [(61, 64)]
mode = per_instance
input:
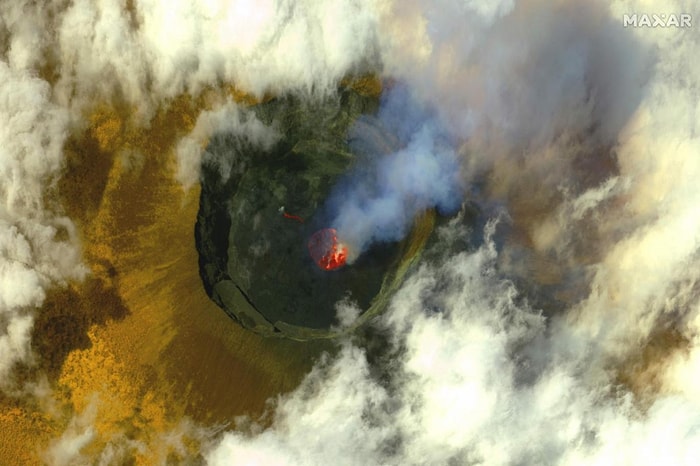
[(138, 346)]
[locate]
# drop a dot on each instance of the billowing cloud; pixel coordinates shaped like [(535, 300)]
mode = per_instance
[(154, 50), (37, 247), (381, 197), (475, 372), (472, 375), (260, 46), (575, 135), (60, 59), (141, 54)]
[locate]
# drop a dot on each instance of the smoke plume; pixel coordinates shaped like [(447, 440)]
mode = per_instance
[(380, 199), (542, 342), (584, 132)]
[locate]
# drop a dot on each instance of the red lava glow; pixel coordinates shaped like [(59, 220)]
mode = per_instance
[(290, 216), (293, 217), (326, 251)]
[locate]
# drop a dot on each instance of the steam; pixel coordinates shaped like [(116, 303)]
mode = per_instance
[(380, 201), (582, 131), (490, 93), (568, 122)]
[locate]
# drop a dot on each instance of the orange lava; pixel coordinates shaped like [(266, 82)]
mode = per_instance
[(326, 250)]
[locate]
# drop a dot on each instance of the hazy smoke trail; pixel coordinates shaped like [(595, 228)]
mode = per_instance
[(227, 118), (379, 201), (591, 147), (551, 102)]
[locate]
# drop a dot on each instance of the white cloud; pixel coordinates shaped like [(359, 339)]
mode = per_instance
[(530, 89), (32, 257), (478, 379), (227, 118), (474, 374), (162, 49), (66, 449), (91, 50)]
